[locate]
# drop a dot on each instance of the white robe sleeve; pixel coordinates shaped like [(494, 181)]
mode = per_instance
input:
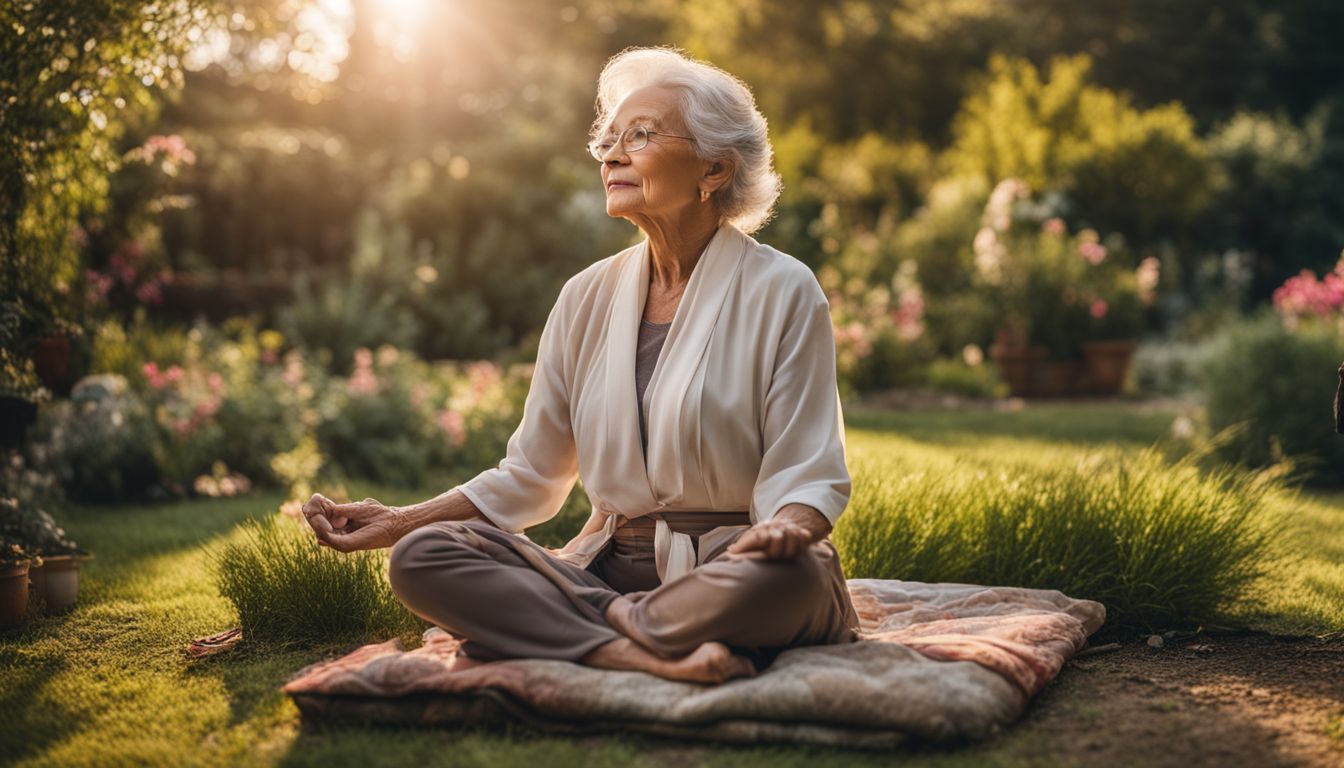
[(541, 462), (803, 434)]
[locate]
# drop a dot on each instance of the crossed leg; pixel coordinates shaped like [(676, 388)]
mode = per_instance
[(470, 579), (757, 606)]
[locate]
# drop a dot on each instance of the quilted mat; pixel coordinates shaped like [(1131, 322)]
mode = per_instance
[(937, 663)]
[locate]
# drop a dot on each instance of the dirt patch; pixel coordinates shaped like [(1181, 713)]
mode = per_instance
[(1246, 699)]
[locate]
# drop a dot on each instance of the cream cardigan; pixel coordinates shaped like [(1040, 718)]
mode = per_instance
[(743, 409)]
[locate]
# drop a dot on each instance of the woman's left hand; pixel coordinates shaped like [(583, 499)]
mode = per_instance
[(774, 539)]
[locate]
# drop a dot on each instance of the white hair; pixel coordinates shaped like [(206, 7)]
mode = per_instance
[(719, 112)]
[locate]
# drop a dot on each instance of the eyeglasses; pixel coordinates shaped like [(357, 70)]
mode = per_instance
[(632, 139)]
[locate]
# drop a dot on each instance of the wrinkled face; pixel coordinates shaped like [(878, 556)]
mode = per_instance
[(660, 179)]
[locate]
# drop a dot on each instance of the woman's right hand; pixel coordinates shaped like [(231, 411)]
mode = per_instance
[(366, 524)]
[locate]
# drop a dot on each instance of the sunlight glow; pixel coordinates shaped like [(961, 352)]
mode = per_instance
[(398, 25)]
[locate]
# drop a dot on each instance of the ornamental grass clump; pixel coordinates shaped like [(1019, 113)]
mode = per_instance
[(1160, 545), (289, 590)]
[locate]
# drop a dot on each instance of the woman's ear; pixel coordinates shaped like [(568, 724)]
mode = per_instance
[(717, 175)]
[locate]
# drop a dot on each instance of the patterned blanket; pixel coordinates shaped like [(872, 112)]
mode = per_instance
[(938, 663)]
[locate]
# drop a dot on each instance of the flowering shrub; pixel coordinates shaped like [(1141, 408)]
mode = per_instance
[(184, 403), (229, 407), (879, 329), (484, 405), (1276, 383), (129, 278), (1271, 374), (380, 426), (1305, 299), (100, 442), (397, 418), (1055, 288)]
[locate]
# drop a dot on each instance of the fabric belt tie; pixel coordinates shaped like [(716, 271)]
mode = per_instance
[(673, 550)]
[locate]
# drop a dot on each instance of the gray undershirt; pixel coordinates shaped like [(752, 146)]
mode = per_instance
[(651, 338)]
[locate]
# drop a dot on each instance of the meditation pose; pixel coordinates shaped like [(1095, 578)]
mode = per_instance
[(690, 381)]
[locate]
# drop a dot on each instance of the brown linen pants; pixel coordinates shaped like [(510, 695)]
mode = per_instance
[(508, 597)]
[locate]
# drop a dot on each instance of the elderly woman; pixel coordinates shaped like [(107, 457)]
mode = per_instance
[(690, 382)]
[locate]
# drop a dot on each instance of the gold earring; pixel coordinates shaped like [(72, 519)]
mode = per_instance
[(704, 195)]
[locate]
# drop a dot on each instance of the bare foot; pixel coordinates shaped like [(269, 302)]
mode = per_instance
[(710, 663)]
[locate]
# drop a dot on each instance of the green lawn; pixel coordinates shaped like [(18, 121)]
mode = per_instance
[(107, 684)]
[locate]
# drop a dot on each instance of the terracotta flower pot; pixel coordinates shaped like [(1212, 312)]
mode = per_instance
[(51, 360), (13, 594), (1058, 378), (56, 581), (1106, 364), (1017, 364)]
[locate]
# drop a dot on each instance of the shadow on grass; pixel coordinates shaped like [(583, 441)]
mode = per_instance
[(253, 673), (32, 720)]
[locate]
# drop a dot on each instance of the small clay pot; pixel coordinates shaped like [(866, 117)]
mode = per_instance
[(56, 581), (1106, 364), (1017, 366), (1057, 378), (13, 594)]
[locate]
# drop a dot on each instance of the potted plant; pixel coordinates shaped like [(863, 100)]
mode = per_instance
[(56, 577), (1074, 296), (1004, 270), (53, 354), (1114, 324), (26, 492), (14, 564), (1017, 359)]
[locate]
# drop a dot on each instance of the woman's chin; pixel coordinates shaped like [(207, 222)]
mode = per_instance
[(618, 211)]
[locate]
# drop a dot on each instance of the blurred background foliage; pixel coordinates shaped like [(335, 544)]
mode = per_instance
[(359, 173)]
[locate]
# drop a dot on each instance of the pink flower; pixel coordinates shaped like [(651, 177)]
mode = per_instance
[(1054, 226), (1147, 276), (207, 408), (152, 375), (418, 394), (453, 425), (855, 336), (1095, 253), (1305, 295), (1099, 309), (294, 372), (150, 293), (483, 375), (909, 314), (215, 382), (99, 285), (173, 374), (363, 382)]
